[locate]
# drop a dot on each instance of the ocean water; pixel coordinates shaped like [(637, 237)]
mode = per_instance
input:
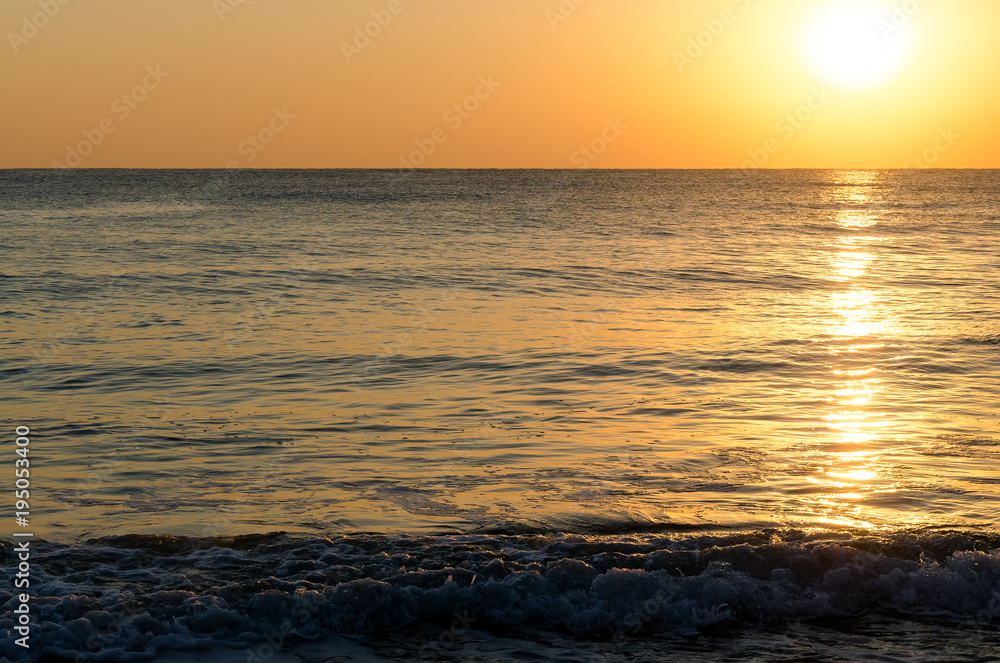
[(506, 415)]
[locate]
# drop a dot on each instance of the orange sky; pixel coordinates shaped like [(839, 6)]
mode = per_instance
[(560, 83)]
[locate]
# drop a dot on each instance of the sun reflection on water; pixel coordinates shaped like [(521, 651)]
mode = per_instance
[(851, 467)]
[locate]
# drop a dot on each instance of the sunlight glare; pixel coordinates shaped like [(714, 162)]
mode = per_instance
[(855, 45)]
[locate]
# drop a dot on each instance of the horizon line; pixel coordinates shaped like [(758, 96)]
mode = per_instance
[(474, 168)]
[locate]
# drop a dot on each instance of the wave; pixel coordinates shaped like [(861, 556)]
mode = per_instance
[(124, 598)]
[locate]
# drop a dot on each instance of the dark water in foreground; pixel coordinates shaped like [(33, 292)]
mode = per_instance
[(578, 415)]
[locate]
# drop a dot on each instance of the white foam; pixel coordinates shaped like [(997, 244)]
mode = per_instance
[(302, 597)]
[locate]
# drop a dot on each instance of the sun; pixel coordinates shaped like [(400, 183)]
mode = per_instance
[(857, 45)]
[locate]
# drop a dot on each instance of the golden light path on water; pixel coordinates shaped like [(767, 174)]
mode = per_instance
[(811, 349), (859, 463)]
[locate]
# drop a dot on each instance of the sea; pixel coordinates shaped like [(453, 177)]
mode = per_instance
[(501, 415)]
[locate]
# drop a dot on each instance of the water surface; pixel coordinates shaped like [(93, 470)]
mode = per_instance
[(445, 351), (608, 416)]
